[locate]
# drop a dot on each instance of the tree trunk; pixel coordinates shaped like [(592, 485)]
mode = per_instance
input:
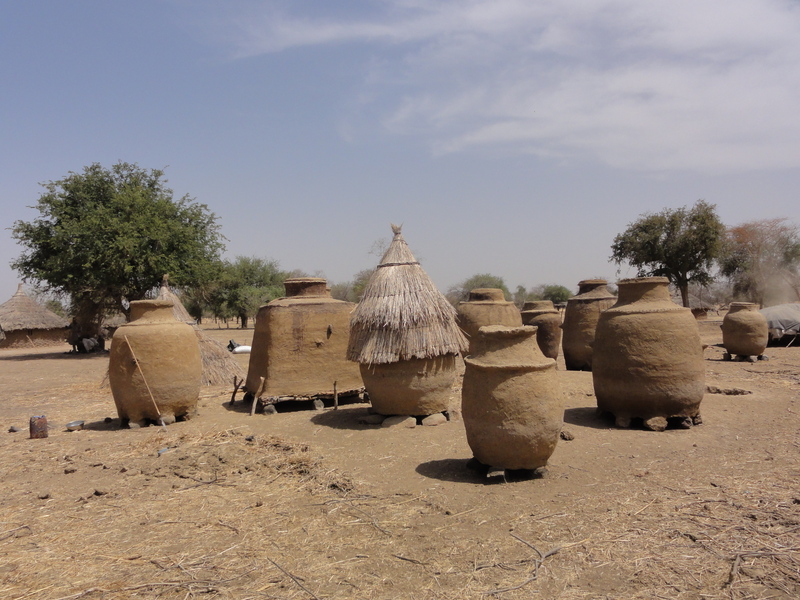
[(684, 288), (87, 321)]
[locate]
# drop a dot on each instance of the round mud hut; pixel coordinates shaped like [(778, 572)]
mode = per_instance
[(404, 335), (28, 324)]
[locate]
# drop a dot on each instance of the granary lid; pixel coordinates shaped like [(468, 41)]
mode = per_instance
[(486, 295), (306, 286), (538, 305), (590, 290)]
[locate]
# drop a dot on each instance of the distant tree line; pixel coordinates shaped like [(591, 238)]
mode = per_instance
[(104, 237), (758, 261)]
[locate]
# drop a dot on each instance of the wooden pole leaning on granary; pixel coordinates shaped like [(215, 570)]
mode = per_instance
[(257, 395), (139, 368)]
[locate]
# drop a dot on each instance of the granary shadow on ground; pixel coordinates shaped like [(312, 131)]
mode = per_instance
[(104, 425), (67, 355), (312, 406), (238, 406), (343, 418), (463, 470), (450, 469), (587, 416)]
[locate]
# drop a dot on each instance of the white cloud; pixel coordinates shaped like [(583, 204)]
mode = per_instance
[(707, 85)]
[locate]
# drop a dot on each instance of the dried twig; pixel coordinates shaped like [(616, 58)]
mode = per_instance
[(411, 560), (510, 589), (10, 532), (371, 521), (293, 578), (237, 383), (207, 585), (537, 562)]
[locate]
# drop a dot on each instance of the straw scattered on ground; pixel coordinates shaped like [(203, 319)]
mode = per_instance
[(228, 506)]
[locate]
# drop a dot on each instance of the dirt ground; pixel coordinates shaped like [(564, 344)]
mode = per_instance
[(312, 504)]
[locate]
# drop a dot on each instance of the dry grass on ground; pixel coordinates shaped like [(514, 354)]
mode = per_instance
[(304, 505)]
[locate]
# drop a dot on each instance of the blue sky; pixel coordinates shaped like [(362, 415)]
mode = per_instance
[(507, 136)]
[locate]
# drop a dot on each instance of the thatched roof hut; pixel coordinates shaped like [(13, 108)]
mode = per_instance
[(219, 365), (402, 315), (27, 323)]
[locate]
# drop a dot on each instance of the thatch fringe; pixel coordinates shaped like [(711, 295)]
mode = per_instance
[(402, 315), (219, 365)]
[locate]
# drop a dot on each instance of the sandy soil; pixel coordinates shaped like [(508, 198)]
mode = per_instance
[(312, 504)]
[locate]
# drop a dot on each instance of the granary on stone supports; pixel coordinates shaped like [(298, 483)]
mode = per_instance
[(299, 346), (404, 336)]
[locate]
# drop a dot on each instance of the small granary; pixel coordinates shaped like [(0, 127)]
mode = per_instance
[(219, 366), (404, 335), (486, 306), (300, 343), (27, 324)]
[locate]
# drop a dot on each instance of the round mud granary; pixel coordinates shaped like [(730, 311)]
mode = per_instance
[(546, 318), (154, 354), (300, 343), (404, 335), (486, 306), (745, 331), (580, 320), (511, 402), (648, 357), (418, 386)]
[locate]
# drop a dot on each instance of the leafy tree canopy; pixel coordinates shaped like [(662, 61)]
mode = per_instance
[(557, 294), (762, 261), (522, 295), (460, 291), (247, 283), (351, 291), (106, 236), (680, 244)]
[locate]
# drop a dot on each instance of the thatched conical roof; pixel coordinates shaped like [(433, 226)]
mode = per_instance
[(219, 365), (402, 315), (178, 309), (23, 312)]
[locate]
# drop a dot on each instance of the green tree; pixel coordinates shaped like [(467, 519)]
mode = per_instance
[(557, 294), (351, 291), (680, 244), (104, 237), (460, 291), (521, 296), (247, 282), (197, 299), (762, 261)]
